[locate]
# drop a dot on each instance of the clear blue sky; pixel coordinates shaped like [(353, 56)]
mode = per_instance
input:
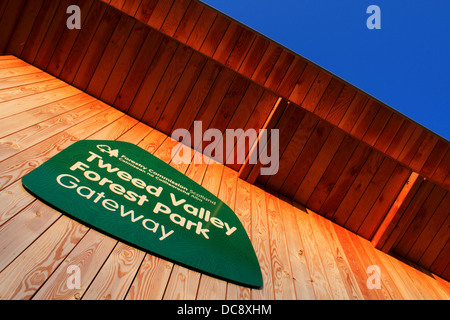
[(405, 64)]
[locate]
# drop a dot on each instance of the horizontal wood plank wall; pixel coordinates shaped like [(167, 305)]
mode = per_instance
[(170, 63), (303, 255)]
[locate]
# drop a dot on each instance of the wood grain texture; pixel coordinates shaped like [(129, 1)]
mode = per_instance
[(109, 59), (302, 254)]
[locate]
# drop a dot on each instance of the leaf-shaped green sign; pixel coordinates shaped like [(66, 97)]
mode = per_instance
[(126, 192)]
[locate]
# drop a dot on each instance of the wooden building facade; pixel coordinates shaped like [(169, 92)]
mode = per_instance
[(358, 184)]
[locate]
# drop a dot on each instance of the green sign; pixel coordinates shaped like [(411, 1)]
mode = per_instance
[(126, 192)]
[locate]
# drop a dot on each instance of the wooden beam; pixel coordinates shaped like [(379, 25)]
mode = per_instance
[(272, 119), (385, 231)]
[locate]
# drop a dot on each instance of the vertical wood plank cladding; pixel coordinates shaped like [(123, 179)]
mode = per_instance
[(252, 172), (25, 24), (254, 55), (267, 63), (154, 73), (160, 13), (201, 29), (408, 216), (293, 150), (181, 93), (343, 184), (389, 132), (413, 144), (345, 208), (396, 211), (145, 10), (251, 111), (354, 261), (230, 103), (421, 220), (166, 85), (130, 7), (279, 70), (287, 84), (370, 195), (188, 22), (317, 90), (326, 253), (332, 173), (312, 248), (400, 139), (134, 79), (287, 126), (215, 35), (212, 102), (3, 6), (244, 213), (436, 156), (430, 231), (174, 16), (353, 112), (222, 114), (365, 119), (8, 22), (319, 166), (423, 152), (116, 3), (303, 84), (384, 201), (283, 283), (88, 254), (301, 275), (441, 265), (41, 258), (84, 38), (88, 60), (96, 48), (306, 158), (329, 97), (170, 85), (228, 42), (209, 287), (110, 55), (436, 245), (239, 51), (261, 242), (377, 126), (443, 169), (347, 98), (128, 55), (57, 58), (197, 96)]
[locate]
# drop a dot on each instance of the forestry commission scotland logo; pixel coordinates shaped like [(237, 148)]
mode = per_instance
[(107, 149)]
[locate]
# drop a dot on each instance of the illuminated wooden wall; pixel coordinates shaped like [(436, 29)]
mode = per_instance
[(166, 63)]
